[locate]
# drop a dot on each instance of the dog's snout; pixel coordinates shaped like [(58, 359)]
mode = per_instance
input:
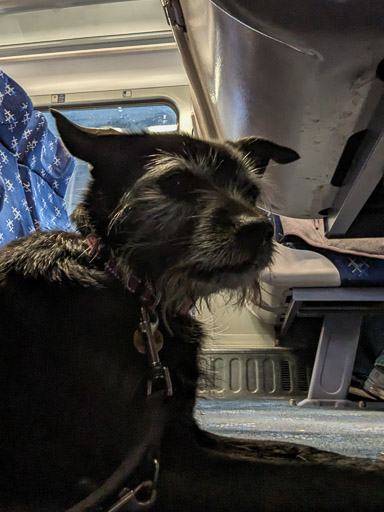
[(251, 233)]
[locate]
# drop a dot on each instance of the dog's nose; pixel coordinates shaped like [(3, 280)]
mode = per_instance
[(251, 233)]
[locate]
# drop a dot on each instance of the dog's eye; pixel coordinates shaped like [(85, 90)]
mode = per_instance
[(179, 185)]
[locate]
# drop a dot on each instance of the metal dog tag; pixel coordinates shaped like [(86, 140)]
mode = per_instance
[(140, 345)]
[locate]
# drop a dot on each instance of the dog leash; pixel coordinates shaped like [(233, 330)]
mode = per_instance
[(159, 387), (141, 497)]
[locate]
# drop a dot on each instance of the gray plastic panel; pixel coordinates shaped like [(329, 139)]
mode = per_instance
[(253, 374), (302, 74)]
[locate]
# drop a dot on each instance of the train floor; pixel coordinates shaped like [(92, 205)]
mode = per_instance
[(353, 432)]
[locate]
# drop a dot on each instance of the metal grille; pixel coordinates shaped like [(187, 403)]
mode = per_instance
[(304, 377), (285, 376)]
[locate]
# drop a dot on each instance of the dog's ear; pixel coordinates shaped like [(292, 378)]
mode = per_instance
[(264, 150), (90, 144)]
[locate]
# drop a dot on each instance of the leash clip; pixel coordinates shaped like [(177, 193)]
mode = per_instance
[(160, 377), (153, 325), (129, 499)]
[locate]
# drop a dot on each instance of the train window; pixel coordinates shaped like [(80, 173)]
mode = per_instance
[(132, 118)]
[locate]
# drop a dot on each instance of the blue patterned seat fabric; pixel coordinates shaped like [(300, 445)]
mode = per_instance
[(354, 270), (35, 168)]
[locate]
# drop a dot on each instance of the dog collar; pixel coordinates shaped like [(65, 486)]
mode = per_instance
[(133, 284), (130, 281)]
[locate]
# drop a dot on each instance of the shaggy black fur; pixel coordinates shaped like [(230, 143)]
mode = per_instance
[(182, 214)]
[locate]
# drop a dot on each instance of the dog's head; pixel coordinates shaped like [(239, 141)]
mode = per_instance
[(180, 211)]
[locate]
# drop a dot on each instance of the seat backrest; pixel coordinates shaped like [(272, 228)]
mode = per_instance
[(305, 76)]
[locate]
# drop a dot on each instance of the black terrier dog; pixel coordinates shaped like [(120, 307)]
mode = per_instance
[(98, 361)]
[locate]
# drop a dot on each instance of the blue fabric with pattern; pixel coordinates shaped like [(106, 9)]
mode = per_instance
[(354, 270), (35, 168)]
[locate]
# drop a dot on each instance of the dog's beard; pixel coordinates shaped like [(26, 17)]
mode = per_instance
[(180, 290), (184, 285)]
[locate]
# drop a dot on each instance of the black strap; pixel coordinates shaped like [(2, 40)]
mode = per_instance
[(157, 406), (159, 386)]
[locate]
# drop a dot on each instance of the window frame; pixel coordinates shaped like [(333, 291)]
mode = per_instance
[(176, 97)]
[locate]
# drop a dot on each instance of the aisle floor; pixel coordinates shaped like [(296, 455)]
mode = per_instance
[(356, 432)]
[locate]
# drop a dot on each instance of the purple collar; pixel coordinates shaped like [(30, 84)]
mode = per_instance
[(131, 282)]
